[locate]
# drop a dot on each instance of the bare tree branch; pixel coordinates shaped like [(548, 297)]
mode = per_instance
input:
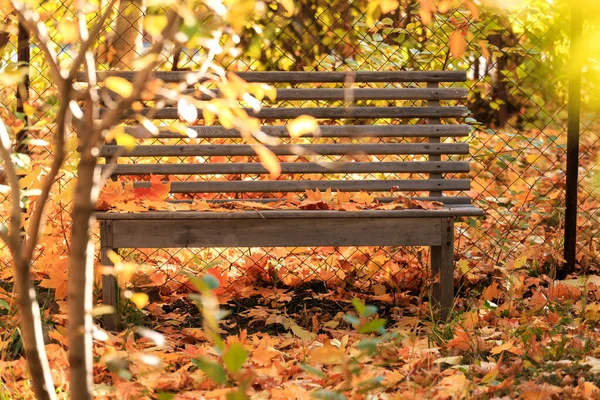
[(89, 37), (115, 114), (31, 325), (59, 157), (12, 237)]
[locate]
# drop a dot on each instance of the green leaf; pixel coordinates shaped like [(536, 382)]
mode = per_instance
[(211, 281), (165, 396), (4, 304), (373, 326), (212, 369), (351, 319), (369, 345), (327, 395), (238, 394), (362, 309), (359, 306), (370, 384), (235, 357), (313, 370)]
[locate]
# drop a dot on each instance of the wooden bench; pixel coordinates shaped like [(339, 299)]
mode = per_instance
[(400, 147)]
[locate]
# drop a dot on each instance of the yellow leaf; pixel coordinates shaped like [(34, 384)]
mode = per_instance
[(484, 50), (289, 6), (507, 346), (458, 44), (303, 125), (444, 6), (226, 118), (388, 6), (6, 8), (270, 92), (473, 9), (120, 86), (209, 117), (463, 266), (140, 300), (363, 198), (327, 355), (314, 195), (102, 310), (123, 139), (343, 197), (426, 11), (154, 24), (269, 160), (28, 109), (69, 30)]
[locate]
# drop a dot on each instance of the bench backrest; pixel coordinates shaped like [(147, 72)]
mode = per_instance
[(398, 133)]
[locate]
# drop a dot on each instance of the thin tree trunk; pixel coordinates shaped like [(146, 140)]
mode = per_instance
[(81, 271), (32, 334)]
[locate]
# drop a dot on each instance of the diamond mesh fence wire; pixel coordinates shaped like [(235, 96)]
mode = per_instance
[(515, 60)]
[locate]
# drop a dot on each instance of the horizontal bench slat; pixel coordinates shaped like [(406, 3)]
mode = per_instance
[(421, 130), (323, 112), (275, 232), (320, 149), (455, 201), (291, 214), (268, 186), (306, 77), (293, 168), (342, 94)]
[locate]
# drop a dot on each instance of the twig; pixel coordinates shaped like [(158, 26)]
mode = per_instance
[(89, 37), (12, 236), (40, 202)]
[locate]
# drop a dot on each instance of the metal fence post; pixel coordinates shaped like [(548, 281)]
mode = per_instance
[(574, 108)]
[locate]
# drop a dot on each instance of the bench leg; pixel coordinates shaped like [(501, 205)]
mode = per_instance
[(110, 288), (110, 292), (442, 269)]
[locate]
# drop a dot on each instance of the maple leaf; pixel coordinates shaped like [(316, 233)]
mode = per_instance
[(157, 191), (314, 195), (363, 198), (508, 346)]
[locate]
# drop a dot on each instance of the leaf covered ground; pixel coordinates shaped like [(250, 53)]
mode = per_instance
[(343, 322)]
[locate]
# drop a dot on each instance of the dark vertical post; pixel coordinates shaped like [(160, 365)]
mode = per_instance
[(575, 62), (23, 58)]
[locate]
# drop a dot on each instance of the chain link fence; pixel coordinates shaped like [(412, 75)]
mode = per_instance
[(516, 62)]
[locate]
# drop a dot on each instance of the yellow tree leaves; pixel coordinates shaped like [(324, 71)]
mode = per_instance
[(268, 159), (119, 85), (458, 43), (69, 30), (303, 125)]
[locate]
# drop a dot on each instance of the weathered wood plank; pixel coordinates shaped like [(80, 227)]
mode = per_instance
[(442, 269), (110, 288), (322, 112), (277, 232), (300, 186), (452, 201), (307, 77), (284, 149), (449, 211), (293, 168), (340, 94), (325, 131)]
